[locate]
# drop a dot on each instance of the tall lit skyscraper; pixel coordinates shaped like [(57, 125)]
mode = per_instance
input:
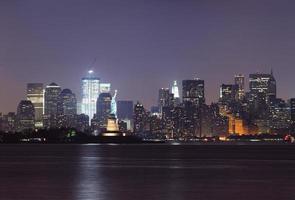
[(90, 93), (51, 95), (67, 109), (35, 94), (67, 102), (262, 84), (175, 92), (240, 81), (140, 118)]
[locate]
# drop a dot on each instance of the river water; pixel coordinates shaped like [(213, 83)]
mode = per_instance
[(111, 172)]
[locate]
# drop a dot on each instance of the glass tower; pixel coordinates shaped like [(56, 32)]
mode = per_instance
[(262, 84), (51, 94), (90, 93), (175, 90), (35, 94)]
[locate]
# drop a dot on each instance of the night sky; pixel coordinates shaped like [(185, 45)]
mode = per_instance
[(142, 46)]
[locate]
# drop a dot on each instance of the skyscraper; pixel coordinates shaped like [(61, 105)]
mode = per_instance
[(51, 95), (140, 118), (25, 116), (67, 102), (193, 91), (228, 93), (175, 92), (240, 81), (103, 109), (35, 94), (90, 93), (164, 98), (262, 84), (67, 109)]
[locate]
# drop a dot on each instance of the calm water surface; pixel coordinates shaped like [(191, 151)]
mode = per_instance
[(86, 172)]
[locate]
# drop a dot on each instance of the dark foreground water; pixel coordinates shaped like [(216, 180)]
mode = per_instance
[(37, 172)]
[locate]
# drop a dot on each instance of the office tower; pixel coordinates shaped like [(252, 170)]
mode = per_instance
[(51, 97), (103, 109), (263, 84), (193, 91), (67, 109), (114, 104), (280, 114), (175, 92), (240, 81), (125, 110), (35, 94), (105, 87), (139, 118), (90, 93), (163, 99), (228, 93), (25, 116)]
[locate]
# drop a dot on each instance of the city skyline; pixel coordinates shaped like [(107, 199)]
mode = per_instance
[(150, 44), (147, 99), (169, 87)]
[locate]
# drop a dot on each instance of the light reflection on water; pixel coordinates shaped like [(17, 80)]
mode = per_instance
[(89, 178), (86, 172)]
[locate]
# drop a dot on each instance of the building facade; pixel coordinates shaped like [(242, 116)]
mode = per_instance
[(193, 91), (35, 94), (240, 81), (51, 98), (90, 93), (67, 109), (25, 116)]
